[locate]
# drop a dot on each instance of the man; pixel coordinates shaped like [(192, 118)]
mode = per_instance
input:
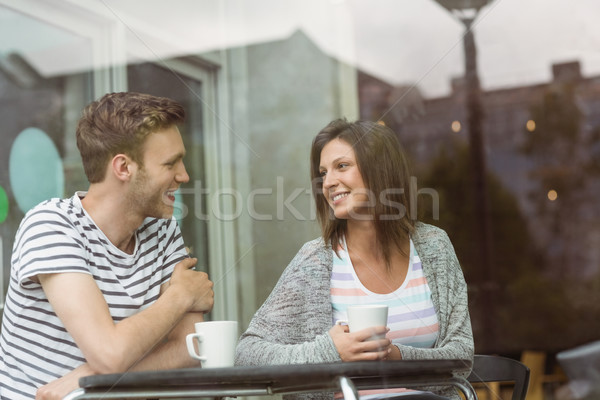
[(101, 282)]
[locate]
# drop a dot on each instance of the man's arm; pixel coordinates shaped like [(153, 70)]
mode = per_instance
[(113, 348), (59, 388), (171, 353)]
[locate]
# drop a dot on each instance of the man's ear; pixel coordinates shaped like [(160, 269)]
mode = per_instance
[(123, 167)]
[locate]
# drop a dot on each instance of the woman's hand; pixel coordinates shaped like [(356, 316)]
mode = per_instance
[(356, 346)]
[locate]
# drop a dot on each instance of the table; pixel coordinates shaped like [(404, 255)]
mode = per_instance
[(275, 379)]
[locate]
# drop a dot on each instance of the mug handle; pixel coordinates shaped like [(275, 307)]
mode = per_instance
[(189, 340)]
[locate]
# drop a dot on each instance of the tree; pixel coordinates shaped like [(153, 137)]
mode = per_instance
[(557, 149), (529, 307), (566, 159)]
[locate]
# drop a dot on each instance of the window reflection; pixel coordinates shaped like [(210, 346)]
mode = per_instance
[(540, 124), (36, 171), (160, 80), (41, 91)]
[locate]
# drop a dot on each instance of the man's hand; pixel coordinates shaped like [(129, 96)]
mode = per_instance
[(194, 284), (59, 388), (357, 346)]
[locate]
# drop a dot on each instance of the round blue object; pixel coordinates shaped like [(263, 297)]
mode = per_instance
[(35, 169)]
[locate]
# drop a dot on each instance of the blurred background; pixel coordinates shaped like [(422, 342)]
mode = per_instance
[(496, 102)]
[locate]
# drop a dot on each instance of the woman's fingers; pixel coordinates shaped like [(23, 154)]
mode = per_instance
[(371, 333), (366, 344)]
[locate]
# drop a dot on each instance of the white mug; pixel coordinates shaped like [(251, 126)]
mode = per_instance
[(365, 316), (216, 343)]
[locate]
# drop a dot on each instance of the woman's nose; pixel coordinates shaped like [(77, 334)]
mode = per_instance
[(329, 180)]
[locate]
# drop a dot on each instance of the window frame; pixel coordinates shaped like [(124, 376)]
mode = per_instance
[(108, 37)]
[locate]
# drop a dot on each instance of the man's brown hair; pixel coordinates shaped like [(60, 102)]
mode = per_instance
[(120, 123)]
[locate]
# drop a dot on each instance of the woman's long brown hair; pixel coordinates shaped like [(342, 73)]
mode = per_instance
[(384, 170)]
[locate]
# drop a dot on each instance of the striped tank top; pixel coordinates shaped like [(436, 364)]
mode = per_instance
[(411, 315)]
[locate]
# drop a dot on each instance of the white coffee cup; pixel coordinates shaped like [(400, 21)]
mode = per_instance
[(365, 316), (216, 343)]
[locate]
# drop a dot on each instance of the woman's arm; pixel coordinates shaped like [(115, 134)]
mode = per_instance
[(449, 295), (457, 339), (292, 325)]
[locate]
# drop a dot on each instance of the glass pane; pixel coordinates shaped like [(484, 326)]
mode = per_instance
[(161, 81), (498, 109), (41, 96)]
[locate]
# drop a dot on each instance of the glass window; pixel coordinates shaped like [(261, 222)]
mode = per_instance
[(166, 82), (41, 102), (498, 109)]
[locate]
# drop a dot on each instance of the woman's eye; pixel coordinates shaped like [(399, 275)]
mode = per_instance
[(322, 173), (342, 165)]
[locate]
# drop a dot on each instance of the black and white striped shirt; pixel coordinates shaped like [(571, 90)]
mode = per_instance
[(59, 236)]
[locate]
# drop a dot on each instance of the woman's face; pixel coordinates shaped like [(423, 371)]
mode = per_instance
[(343, 185)]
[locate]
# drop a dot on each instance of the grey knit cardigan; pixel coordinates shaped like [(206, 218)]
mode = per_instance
[(292, 325)]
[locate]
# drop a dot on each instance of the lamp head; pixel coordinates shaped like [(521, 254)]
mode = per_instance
[(464, 10), (463, 4)]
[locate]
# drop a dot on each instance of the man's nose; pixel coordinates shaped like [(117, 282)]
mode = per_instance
[(182, 175)]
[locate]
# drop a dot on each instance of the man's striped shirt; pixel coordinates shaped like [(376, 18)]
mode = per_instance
[(58, 236)]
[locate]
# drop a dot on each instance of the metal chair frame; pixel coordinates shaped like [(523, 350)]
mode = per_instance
[(488, 368)]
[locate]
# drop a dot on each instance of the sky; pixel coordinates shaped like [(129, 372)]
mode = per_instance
[(402, 41), (405, 42), (517, 41)]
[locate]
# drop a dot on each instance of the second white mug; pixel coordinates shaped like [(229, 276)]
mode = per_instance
[(216, 342)]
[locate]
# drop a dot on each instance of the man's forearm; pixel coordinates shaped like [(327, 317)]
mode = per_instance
[(171, 353)]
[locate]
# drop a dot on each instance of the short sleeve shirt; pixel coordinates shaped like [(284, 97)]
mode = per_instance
[(58, 236)]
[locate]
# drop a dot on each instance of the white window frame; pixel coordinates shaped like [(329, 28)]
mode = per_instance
[(107, 35)]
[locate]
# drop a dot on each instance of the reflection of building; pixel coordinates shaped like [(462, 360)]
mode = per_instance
[(283, 93), (441, 121), (252, 112), (395, 105)]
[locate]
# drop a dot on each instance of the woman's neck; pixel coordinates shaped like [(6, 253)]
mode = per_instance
[(362, 238), (378, 273)]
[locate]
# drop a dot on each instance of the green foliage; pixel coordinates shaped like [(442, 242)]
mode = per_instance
[(566, 159), (528, 308), (557, 147)]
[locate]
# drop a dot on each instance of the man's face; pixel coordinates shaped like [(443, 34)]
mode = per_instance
[(152, 190)]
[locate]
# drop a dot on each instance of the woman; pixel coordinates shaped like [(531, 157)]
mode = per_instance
[(371, 252)]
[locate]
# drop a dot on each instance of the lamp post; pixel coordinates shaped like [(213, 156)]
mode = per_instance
[(466, 11)]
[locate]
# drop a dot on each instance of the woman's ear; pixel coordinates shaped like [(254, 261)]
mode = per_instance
[(123, 167)]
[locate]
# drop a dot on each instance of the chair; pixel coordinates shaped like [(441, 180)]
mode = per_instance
[(501, 369)]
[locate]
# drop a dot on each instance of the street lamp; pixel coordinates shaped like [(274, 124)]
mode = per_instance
[(466, 11), (463, 5)]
